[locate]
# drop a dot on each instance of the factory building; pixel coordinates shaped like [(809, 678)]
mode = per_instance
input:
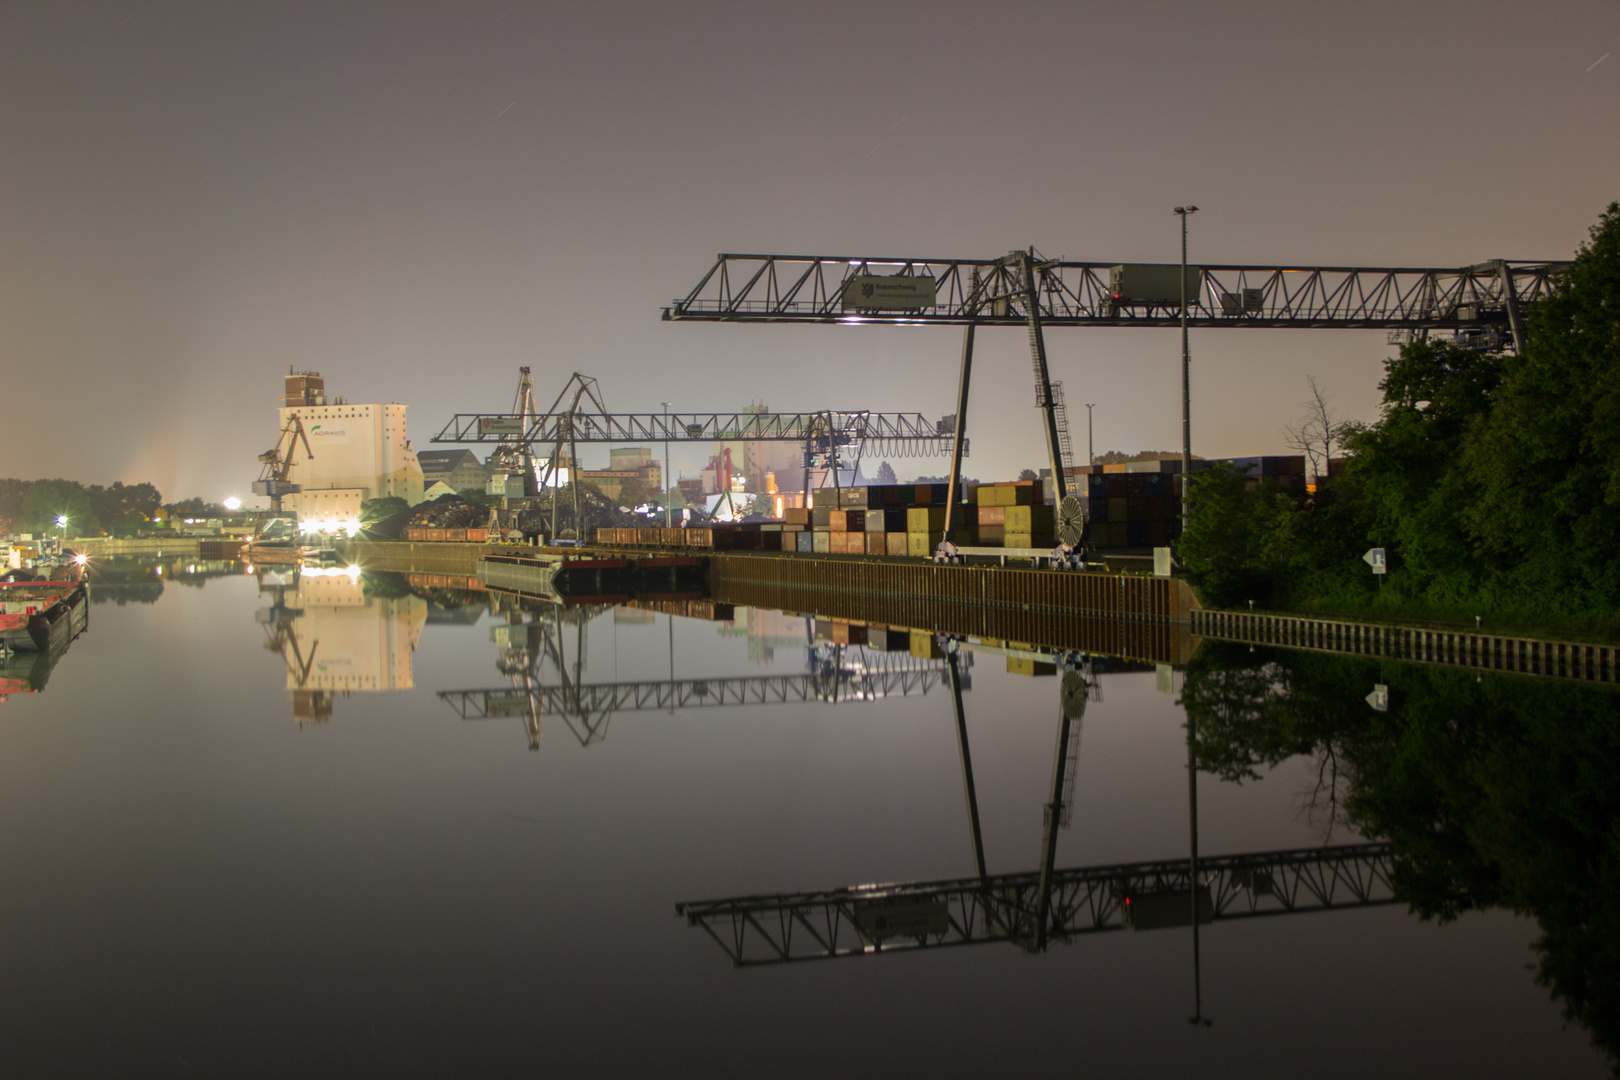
[(355, 452), (627, 465), (757, 466), (459, 469)]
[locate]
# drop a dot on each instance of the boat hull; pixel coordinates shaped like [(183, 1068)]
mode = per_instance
[(54, 625)]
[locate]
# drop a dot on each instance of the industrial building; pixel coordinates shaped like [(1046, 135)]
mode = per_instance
[(458, 469), (627, 465), (758, 467), (353, 453)]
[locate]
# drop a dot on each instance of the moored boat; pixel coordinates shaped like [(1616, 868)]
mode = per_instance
[(36, 616)]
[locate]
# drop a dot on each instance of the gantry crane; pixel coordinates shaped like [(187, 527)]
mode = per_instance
[(829, 437), (1484, 304), (278, 463)]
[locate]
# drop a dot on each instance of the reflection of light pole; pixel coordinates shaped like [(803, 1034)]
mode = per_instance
[(1091, 449), (1194, 890), (666, 464), (1186, 380)]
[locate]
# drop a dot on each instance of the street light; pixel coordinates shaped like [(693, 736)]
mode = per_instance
[(61, 522), (1183, 212), (232, 504), (666, 463)]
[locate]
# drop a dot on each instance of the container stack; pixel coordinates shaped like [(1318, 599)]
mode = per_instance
[(1137, 504), (1012, 515), (887, 519), (1132, 510)]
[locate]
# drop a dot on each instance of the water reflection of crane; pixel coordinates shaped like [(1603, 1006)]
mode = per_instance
[(835, 674), (281, 638), (532, 639), (1032, 909)]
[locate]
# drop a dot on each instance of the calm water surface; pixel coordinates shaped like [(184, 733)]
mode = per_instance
[(209, 871)]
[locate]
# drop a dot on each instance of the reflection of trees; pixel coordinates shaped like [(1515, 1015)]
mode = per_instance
[(1498, 792), (1258, 709)]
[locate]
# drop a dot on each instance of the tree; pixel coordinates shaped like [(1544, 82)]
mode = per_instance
[(635, 491), (1317, 432), (1028, 474), (194, 507), (1544, 468), (385, 507), (885, 474), (479, 497)]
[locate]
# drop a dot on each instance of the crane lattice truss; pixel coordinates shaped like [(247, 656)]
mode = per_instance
[(882, 434), (760, 930), (599, 698), (991, 292)]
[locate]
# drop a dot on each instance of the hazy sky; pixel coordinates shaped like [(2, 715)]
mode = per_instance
[(416, 198)]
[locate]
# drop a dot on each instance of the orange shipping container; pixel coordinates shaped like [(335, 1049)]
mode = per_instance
[(875, 544), (894, 543)]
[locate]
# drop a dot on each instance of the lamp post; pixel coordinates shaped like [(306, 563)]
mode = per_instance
[(1183, 212), (1091, 448), (61, 523), (666, 464)]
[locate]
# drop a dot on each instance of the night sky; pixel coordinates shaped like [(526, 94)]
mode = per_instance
[(415, 199)]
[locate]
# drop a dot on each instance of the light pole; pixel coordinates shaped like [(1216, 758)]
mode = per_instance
[(1091, 448), (666, 465), (61, 523), (1186, 380)]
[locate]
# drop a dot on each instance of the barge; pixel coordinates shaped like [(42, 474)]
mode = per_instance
[(38, 616)]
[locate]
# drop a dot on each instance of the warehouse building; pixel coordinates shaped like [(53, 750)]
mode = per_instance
[(459, 469), (355, 453)]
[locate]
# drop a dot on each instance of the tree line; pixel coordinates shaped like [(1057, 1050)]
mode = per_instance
[(119, 510), (1492, 481)]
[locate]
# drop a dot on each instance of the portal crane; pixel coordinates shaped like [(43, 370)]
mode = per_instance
[(1022, 288), (829, 436), (278, 463)]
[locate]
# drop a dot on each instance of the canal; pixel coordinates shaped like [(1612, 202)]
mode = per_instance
[(269, 824)]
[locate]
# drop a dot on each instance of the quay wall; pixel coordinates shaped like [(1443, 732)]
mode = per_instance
[(108, 545)]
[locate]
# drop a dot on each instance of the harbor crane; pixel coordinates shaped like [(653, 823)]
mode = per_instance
[(829, 437), (278, 463), (838, 675), (1483, 305)]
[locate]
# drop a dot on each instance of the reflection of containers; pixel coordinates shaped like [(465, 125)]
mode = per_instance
[(847, 633)]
